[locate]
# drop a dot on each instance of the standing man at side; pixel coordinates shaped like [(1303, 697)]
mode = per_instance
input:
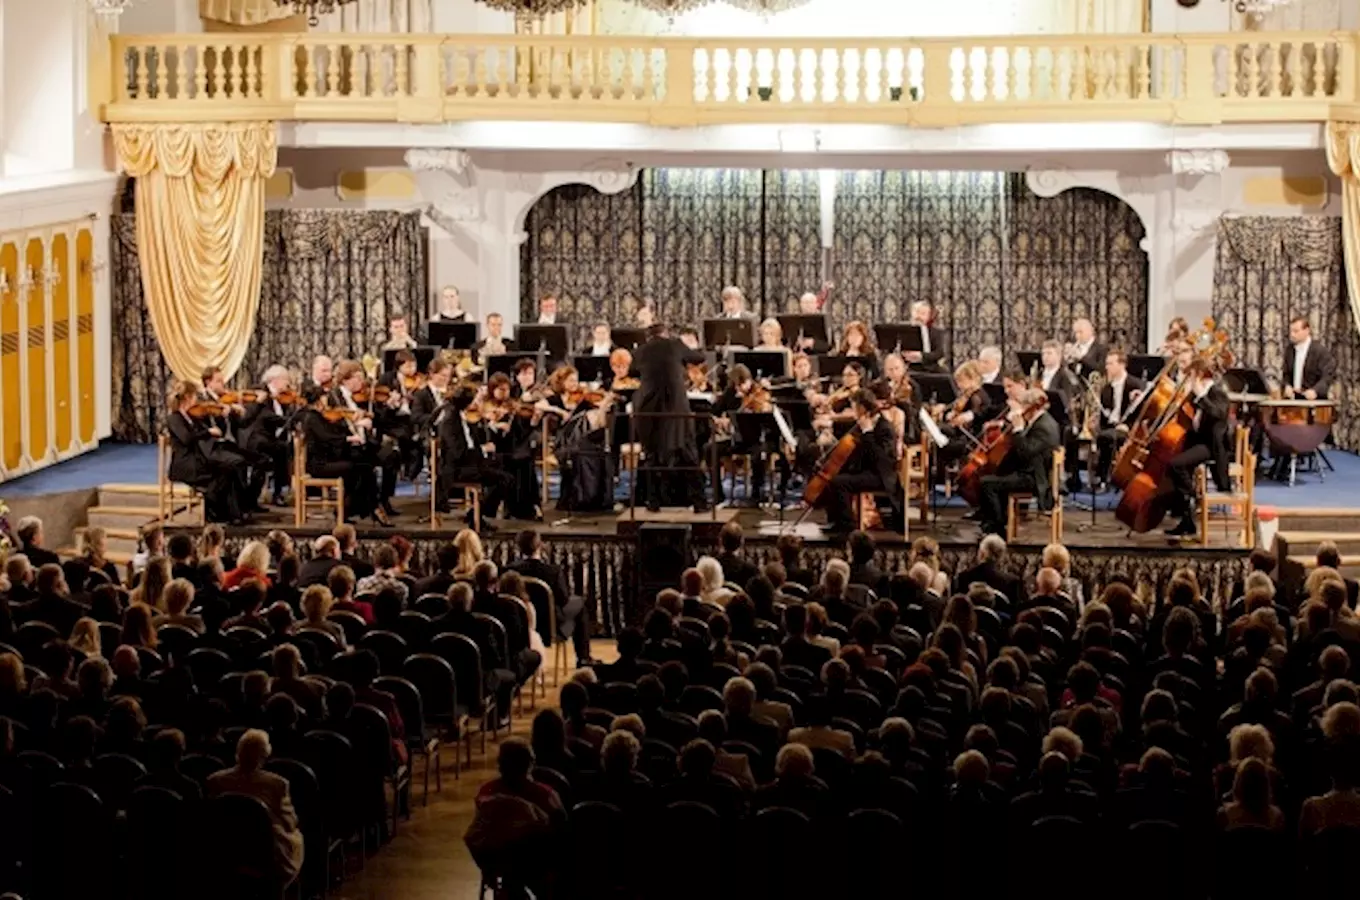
[(573, 617), (1308, 366)]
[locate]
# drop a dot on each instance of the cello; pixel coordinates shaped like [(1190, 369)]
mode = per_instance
[(987, 456), (1142, 468)]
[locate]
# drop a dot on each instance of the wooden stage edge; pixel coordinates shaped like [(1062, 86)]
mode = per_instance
[(762, 527)]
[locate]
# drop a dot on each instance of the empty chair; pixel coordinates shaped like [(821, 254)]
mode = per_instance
[(158, 837), (773, 833), (236, 856), (603, 850), (72, 846), (390, 648), (115, 776), (208, 665), (175, 642)]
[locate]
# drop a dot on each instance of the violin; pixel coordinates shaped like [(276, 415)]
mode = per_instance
[(288, 398), (340, 414), (697, 374), (626, 383), (373, 393), (757, 399), (582, 395), (205, 409), (839, 399), (994, 447), (491, 411), (410, 383), (232, 398)]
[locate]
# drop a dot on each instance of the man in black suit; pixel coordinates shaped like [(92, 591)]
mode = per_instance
[(1308, 366), (736, 568), (872, 466), (797, 650), (495, 342), (440, 580), (573, 617), (21, 574), (1086, 354), (930, 358), (264, 432), (1121, 394), (196, 461), (30, 534), (1206, 442), (1054, 376), (325, 556), (1027, 468), (863, 569), (53, 603), (348, 539), (460, 620), (991, 554), (666, 441), (464, 457)]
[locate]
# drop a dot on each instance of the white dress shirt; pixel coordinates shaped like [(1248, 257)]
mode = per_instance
[(547, 320), (1300, 357), (925, 338), (990, 377), (601, 349), (1049, 374), (1117, 387)]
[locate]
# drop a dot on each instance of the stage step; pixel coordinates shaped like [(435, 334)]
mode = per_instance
[(144, 495), (116, 540), (1306, 542), (121, 518), (1334, 522)]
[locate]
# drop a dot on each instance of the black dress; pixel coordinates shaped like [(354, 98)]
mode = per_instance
[(515, 453), (586, 467), (667, 441), (195, 460)]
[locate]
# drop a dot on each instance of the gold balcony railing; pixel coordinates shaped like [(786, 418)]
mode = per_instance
[(1193, 78)]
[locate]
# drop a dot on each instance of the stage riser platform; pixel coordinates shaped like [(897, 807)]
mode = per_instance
[(603, 567)]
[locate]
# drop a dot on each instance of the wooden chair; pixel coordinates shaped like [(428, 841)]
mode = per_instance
[(471, 490), (332, 490), (1055, 478), (1237, 506), (540, 589), (546, 463), (172, 498)]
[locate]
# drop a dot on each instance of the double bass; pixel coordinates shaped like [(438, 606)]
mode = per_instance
[(987, 456), (1166, 417)]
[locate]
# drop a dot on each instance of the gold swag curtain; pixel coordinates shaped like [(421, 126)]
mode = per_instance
[(200, 234), (1343, 155)]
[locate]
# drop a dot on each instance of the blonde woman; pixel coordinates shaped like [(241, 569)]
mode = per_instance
[(712, 573), (85, 638), (211, 542), (154, 579), (316, 605), (470, 552), (179, 596), (1056, 556), (93, 546), (252, 564), (772, 341)]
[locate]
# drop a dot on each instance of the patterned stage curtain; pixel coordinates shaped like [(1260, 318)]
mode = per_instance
[(331, 278), (1001, 265), (679, 237), (1271, 269)]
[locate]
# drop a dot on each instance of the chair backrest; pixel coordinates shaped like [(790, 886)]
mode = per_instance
[(31, 636), (151, 660), (794, 589), (199, 766), (372, 738), (432, 605), (208, 665), (696, 698), (155, 817), (240, 832), (176, 641), (497, 629), (303, 788), (460, 651), (44, 767), (352, 623), (117, 774), (541, 596), (416, 627), (390, 648), (409, 703), (433, 676)]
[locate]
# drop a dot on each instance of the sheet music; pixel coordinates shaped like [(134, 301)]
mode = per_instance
[(932, 429), (700, 395), (784, 428)]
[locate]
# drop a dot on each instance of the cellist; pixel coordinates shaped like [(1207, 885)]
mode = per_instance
[(871, 467), (1029, 465), (1206, 441)]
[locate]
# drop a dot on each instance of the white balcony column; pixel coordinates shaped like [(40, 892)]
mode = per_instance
[(1193, 204)]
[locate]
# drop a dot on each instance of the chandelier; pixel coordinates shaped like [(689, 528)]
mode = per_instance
[(312, 9), (108, 9), (532, 9), (1260, 8), (671, 8), (766, 8)]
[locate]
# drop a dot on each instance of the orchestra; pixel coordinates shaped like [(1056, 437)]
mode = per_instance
[(495, 422)]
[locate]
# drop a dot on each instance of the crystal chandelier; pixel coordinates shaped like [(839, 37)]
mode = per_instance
[(1260, 8), (108, 9), (532, 9), (312, 9), (672, 8), (767, 8)]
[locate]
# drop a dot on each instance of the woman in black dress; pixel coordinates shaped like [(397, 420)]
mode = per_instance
[(579, 444), (513, 434)]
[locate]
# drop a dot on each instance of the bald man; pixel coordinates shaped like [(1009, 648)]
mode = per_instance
[(1087, 355)]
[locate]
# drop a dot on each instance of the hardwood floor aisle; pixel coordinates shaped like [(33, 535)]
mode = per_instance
[(428, 860)]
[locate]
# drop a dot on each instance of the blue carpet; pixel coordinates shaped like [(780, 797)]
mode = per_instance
[(136, 464)]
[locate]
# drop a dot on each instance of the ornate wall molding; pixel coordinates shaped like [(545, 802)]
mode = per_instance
[(606, 175), (1050, 180), (446, 179), (1197, 162), (1194, 222)]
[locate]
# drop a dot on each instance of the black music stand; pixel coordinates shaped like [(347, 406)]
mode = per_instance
[(828, 365), (755, 429), (506, 362), (933, 387), (899, 337), (628, 338), (763, 363), (555, 339), (1245, 381), (802, 325), (453, 335), (591, 369), (1148, 366), (720, 333), (1030, 360), (422, 353)]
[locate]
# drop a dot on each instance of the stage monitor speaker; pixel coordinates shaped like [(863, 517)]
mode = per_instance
[(663, 554)]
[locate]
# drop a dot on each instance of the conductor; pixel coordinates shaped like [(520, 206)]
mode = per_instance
[(667, 440)]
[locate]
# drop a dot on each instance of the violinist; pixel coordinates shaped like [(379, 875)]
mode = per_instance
[(384, 455), (801, 371), (323, 373), (512, 426), (227, 449), (450, 306), (426, 400), (394, 418), (1205, 442), (620, 377), (902, 394), (963, 420), (989, 364), (336, 449), (579, 444), (264, 431), (194, 460), (743, 394), (526, 386), (467, 458), (930, 358), (1118, 398), (857, 344), (871, 468), (214, 386), (1027, 468)]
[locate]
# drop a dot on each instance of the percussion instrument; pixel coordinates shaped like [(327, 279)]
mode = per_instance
[(1297, 426)]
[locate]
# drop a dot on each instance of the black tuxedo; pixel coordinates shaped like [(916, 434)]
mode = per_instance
[(194, 461), (663, 388), (988, 573), (40, 556), (1093, 360), (1027, 469), (1206, 442), (1109, 437), (933, 359), (330, 455), (872, 467), (1319, 369), (264, 431), (424, 403), (461, 460), (573, 617)]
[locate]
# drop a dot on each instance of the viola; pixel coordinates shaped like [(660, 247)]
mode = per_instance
[(757, 400), (996, 444), (339, 414), (204, 409), (376, 393), (233, 398), (411, 383)]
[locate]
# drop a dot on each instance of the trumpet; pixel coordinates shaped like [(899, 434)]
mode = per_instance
[(1070, 353)]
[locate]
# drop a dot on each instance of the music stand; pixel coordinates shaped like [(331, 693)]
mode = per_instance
[(591, 369), (800, 325), (453, 335), (933, 387), (555, 339), (422, 353), (763, 363), (506, 362), (1030, 360), (628, 338), (1148, 366), (729, 333), (899, 338), (1245, 381), (828, 365)]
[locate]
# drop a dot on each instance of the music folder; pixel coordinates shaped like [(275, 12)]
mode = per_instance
[(729, 333), (423, 354), (799, 325), (592, 369), (1030, 361), (453, 335), (551, 338), (899, 338), (506, 362), (628, 338), (1245, 381), (1148, 366), (933, 387), (763, 363)]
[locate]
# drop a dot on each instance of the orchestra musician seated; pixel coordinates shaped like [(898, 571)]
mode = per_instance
[(425, 401), (1055, 376), (620, 375), (465, 458), (810, 304), (399, 334), (1120, 395), (547, 311), (512, 426), (962, 421), (264, 432), (1027, 468), (930, 357), (394, 419), (771, 340), (1206, 441), (601, 344), (323, 373), (989, 364), (194, 456), (335, 445), (1085, 352), (579, 442), (858, 344), (734, 304), (526, 382), (744, 394), (495, 343), (450, 306), (231, 444), (382, 454), (871, 467)]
